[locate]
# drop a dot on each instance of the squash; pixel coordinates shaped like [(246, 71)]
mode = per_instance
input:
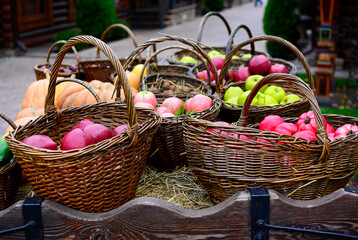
[(29, 112), (20, 122), (133, 80)]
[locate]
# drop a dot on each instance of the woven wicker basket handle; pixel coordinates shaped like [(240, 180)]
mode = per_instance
[(282, 41), (84, 84), (118, 25), (57, 43), (185, 41), (8, 120), (172, 47), (205, 18), (230, 42), (123, 81)]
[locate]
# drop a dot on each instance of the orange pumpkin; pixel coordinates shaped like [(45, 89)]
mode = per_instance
[(29, 112), (20, 122)]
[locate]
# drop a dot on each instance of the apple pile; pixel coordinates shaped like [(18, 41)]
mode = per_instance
[(267, 95), (83, 134), (172, 106), (305, 127)]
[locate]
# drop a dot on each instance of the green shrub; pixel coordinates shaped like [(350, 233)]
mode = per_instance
[(93, 17), (280, 19), (213, 5), (67, 34)]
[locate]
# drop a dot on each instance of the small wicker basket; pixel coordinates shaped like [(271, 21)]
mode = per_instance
[(40, 73), (297, 168), (98, 177), (10, 175)]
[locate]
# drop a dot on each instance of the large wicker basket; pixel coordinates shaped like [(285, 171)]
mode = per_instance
[(10, 175), (175, 57), (40, 73), (247, 157), (168, 147), (98, 177), (231, 112), (101, 68)]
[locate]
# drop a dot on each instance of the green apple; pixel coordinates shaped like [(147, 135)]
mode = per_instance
[(234, 91), (232, 100), (242, 98), (290, 98), (246, 56), (252, 80), (214, 53), (265, 100), (276, 92), (188, 59)]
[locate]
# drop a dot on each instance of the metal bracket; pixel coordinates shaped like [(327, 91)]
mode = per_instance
[(31, 212), (260, 213)]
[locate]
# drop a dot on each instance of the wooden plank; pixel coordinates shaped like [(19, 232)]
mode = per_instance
[(151, 218)]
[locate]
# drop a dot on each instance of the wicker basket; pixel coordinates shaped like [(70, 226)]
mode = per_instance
[(10, 175), (168, 147), (174, 58), (295, 167), (101, 69), (231, 112), (98, 177), (40, 73)]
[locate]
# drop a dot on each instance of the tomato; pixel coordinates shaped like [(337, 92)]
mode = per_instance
[(269, 123), (345, 130), (308, 135), (307, 122), (286, 128)]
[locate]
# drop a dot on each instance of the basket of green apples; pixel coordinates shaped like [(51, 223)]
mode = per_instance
[(279, 98)]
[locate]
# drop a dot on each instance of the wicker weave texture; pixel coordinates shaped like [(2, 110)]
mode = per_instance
[(101, 176), (247, 157)]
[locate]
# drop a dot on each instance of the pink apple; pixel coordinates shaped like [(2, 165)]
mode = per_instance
[(84, 123), (161, 110), (119, 130), (286, 128), (308, 135), (242, 74), (168, 114), (270, 122), (75, 139), (144, 105), (98, 132), (259, 65), (173, 103), (41, 141), (199, 103), (146, 96), (231, 75), (278, 68), (218, 62), (204, 76), (187, 104)]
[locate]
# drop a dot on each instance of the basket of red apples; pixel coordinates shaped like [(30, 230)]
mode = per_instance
[(304, 157), (65, 70), (280, 97), (89, 157)]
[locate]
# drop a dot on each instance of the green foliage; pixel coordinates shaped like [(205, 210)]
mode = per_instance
[(281, 19), (93, 17), (213, 5), (67, 34)]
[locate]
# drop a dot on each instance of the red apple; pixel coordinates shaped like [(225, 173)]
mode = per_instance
[(308, 135), (242, 74), (144, 105), (84, 123), (286, 128), (41, 141), (204, 76), (278, 68), (199, 103), (146, 96), (75, 139), (218, 62), (98, 132), (119, 130), (270, 122), (161, 110), (173, 104), (259, 65)]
